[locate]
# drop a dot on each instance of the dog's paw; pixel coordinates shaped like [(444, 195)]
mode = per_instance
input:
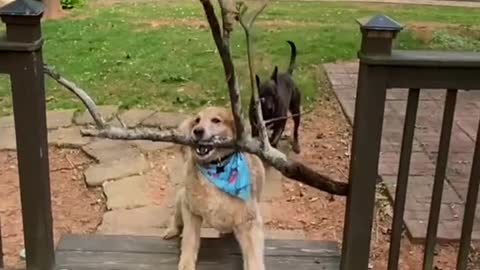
[(186, 265), (170, 233), (296, 148)]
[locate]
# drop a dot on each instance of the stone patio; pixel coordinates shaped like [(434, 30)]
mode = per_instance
[(343, 77), (122, 167)]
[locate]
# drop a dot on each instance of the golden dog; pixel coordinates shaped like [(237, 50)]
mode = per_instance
[(199, 200)]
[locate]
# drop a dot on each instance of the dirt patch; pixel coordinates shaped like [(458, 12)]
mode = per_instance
[(197, 23), (278, 24), (162, 190), (193, 23), (76, 209), (424, 31), (471, 31), (189, 89), (95, 3)]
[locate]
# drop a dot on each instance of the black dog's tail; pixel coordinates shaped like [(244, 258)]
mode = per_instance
[(291, 66)]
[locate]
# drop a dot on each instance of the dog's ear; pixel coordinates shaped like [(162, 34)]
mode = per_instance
[(185, 127), (228, 120), (258, 81), (275, 74)]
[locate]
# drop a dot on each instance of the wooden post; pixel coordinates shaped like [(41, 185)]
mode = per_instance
[(22, 53), (377, 36)]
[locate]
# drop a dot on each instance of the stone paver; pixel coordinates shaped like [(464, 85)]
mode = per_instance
[(7, 139), (105, 150), (107, 111), (67, 137), (149, 146), (134, 117), (343, 77), (60, 118), (7, 121), (127, 193), (421, 164), (97, 174), (164, 120), (145, 220)]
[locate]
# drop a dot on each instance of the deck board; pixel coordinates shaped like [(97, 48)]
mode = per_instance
[(113, 252)]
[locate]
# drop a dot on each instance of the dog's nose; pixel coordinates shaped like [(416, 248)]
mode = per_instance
[(198, 132)]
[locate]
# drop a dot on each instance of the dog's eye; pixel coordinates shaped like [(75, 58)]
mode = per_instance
[(197, 120), (216, 120)]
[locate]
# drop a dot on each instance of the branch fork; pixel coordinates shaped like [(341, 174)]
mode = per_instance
[(247, 28)]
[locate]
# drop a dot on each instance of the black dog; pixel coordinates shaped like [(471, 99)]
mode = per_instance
[(279, 95)]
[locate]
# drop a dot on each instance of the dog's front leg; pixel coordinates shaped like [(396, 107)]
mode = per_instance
[(278, 129), (190, 240), (251, 240)]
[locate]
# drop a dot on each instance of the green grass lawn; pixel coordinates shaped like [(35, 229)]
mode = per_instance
[(162, 55)]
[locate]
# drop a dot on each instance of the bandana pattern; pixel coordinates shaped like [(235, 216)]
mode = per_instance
[(232, 176)]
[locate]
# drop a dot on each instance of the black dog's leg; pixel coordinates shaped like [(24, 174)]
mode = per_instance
[(278, 129), (295, 111)]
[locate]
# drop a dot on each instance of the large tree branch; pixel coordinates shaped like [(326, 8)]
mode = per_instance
[(84, 97), (294, 169), (223, 48), (228, 17), (289, 168)]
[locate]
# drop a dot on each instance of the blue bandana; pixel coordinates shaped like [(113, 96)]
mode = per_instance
[(231, 176)]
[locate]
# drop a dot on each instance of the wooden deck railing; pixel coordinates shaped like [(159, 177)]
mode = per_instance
[(382, 68)]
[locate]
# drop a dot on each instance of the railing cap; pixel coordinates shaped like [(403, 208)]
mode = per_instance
[(379, 22), (22, 8)]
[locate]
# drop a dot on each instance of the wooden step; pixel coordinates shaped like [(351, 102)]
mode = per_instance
[(114, 252)]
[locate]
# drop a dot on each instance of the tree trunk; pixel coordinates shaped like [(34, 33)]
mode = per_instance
[(53, 9)]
